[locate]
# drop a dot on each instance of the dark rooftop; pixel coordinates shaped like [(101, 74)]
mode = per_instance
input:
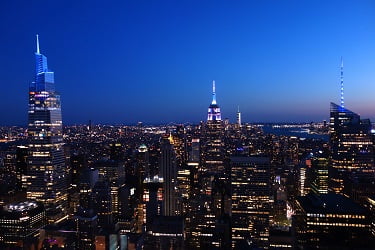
[(329, 203)]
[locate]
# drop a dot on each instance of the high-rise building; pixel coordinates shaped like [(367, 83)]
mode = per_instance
[(113, 172), (168, 170), (351, 147), (8, 175), (213, 155), (318, 172), (194, 155), (103, 204), (303, 181), (21, 166), (47, 177), (152, 199), (214, 113), (86, 221), (77, 164), (20, 225), (251, 203), (238, 118), (143, 163), (203, 224), (331, 221)]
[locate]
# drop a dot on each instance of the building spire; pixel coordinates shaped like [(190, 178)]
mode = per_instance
[(37, 44), (213, 93), (342, 83)]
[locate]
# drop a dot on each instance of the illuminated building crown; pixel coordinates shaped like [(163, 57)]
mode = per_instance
[(214, 113)]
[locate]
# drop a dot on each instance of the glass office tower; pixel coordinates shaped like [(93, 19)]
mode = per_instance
[(352, 153), (46, 171)]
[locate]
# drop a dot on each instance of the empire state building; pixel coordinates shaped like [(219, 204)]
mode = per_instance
[(213, 147), (46, 171), (214, 113)]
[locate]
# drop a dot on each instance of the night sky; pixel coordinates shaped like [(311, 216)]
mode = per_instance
[(121, 62)]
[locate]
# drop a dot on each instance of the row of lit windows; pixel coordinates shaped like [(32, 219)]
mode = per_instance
[(350, 216), (336, 224)]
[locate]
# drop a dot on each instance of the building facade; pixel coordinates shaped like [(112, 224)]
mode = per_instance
[(251, 203), (331, 221), (168, 171)]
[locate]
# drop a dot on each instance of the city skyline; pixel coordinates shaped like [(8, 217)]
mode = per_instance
[(278, 62), (212, 185)]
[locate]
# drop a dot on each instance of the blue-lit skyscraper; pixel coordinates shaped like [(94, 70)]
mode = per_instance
[(46, 171)]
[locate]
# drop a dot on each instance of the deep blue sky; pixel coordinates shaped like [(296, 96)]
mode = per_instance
[(153, 61)]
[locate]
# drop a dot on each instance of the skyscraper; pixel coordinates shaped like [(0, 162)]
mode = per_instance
[(351, 147), (331, 221), (251, 203), (207, 205), (318, 172), (238, 117), (214, 113), (168, 171), (213, 139), (20, 225), (46, 171)]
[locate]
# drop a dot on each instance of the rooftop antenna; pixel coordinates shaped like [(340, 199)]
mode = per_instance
[(213, 92), (342, 83), (37, 44)]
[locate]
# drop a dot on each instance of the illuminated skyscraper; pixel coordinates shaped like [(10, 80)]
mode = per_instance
[(251, 203), (238, 116), (331, 221), (46, 164), (168, 170), (21, 166), (351, 147), (113, 172), (214, 113), (213, 142), (208, 203), (20, 225), (318, 172)]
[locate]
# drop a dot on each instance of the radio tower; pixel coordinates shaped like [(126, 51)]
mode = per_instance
[(342, 83)]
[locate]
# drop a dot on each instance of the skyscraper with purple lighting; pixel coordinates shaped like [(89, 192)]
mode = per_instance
[(213, 146), (214, 113)]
